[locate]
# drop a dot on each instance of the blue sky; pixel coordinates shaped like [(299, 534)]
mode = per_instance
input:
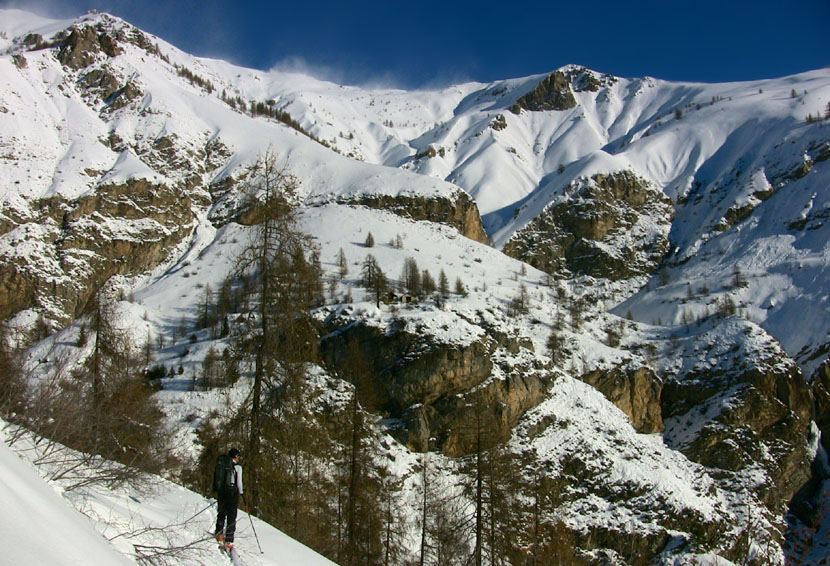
[(430, 43)]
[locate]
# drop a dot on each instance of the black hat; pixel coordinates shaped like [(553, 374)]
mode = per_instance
[(233, 453)]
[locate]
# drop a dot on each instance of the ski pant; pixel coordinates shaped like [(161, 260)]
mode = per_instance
[(227, 505)]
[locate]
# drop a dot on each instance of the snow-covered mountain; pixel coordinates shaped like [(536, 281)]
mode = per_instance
[(719, 152), (742, 165), (670, 236)]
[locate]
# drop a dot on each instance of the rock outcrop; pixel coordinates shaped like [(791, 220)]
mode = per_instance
[(742, 407), (634, 391), (436, 388), (553, 93), (121, 229), (460, 212), (610, 226), (84, 44)]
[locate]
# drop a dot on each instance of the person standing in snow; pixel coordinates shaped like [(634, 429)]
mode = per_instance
[(227, 482)]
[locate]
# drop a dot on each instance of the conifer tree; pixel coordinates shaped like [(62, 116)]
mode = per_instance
[(373, 278), (296, 487), (478, 439), (520, 304), (577, 310), (442, 521), (555, 344), (207, 318), (460, 289), (411, 276), (546, 539), (393, 518), (107, 408), (211, 369), (286, 282), (225, 298), (342, 264), (428, 286), (360, 496), (443, 284)]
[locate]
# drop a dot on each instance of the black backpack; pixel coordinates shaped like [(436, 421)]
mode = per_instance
[(224, 476)]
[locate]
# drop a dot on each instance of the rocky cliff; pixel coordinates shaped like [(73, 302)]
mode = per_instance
[(430, 386), (460, 212), (553, 93), (612, 226), (121, 229)]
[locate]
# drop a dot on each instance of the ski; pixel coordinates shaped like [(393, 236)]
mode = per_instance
[(221, 547), (231, 554)]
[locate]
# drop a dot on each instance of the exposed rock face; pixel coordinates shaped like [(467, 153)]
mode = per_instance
[(738, 406), (120, 229), (429, 153), (83, 44), (411, 369), (17, 288), (103, 85), (768, 404), (113, 229), (584, 80), (553, 93), (428, 384), (466, 218), (636, 392), (500, 403), (593, 481), (821, 394), (612, 226), (460, 213), (100, 82), (753, 409), (499, 123)]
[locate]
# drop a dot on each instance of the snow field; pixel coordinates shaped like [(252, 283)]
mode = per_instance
[(99, 526)]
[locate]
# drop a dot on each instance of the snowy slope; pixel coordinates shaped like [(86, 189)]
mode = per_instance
[(67, 146), (132, 122), (113, 526), (625, 124), (734, 154), (41, 527)]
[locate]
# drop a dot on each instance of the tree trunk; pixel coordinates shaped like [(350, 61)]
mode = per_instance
[(423, 510), (479, 492)]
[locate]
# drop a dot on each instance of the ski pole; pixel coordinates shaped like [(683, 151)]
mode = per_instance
[(197, 514), (252, 523)]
